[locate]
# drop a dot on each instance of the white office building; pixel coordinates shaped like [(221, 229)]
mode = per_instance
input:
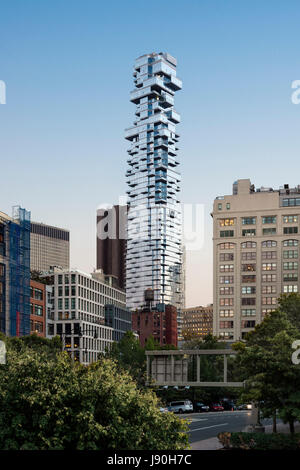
[(78, 311)]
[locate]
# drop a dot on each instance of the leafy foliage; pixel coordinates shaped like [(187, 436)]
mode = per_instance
[(49, 402), (265, 361)]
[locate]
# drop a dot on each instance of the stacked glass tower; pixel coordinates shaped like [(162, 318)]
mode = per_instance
[(153, 259)]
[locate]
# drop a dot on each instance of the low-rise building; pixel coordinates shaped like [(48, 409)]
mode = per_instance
[(159, 322), (197, 322), (78, 311)]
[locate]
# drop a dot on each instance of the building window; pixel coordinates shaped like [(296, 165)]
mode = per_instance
[(249, 312), (268, 289), (226, 301), (226, 335), (226, 222), (59, 279), (290, 266), (248, 220), (226, 268), (269, 266), (269, 231), (226, 233), (269, 300), (38, 294), (248, 267), (226, 279), (226, 256), (219, 206), (38, 310), (269, 219), (290, 219), (269, 255), (250, 232), (249, 255), (288, 230), (248, 323), (287, 277), (248, 290), (248, 245), (226, 313), (290, 288), (288, 202), (266, 311), (248, 278), (228, 206), (288, 254), (226, 290), (269, 244), (290, 243), (248, 301), (269, 278), (226, 246), (226, 324)]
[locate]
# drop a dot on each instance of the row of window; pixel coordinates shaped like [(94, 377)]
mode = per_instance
[(291, 265), (251, 232), (250, 255), (270, 219), (229, 324), (250, 244)]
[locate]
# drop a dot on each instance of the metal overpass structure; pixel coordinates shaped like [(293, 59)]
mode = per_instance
[(182, 368)]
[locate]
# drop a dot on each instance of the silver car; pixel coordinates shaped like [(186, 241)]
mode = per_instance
[(184, 406)]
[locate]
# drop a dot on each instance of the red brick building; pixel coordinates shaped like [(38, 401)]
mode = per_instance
[(162, 325), (37, 308)]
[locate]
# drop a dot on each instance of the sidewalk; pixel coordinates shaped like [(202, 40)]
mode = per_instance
[(214, 444)]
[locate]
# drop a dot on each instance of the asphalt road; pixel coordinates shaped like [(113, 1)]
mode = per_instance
[(207, 425)]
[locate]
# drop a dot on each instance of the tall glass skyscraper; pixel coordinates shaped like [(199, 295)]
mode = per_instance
[(153, 258)]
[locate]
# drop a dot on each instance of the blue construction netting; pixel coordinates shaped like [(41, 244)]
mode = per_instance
[(19, 274)]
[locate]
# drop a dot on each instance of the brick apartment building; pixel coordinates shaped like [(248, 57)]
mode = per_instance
[(159, 322), (37, 308)]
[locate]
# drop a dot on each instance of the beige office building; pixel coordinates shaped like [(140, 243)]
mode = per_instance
[(197, 322), (49, 246), (255, 244)]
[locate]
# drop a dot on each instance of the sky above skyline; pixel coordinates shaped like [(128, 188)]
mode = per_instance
[(68, 68)]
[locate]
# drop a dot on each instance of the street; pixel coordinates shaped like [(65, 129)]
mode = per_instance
[(207, 425)]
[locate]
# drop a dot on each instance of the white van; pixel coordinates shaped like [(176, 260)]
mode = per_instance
[(184, 406)]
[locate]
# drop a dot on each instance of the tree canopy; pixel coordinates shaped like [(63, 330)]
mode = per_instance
[(50, 402), (264, 360)]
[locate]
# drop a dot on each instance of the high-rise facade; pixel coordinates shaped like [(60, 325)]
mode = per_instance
[(256, 255), (50, 246), (153, 258), (111, 242), (15, 273)]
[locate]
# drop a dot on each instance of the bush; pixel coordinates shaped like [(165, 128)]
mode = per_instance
[(259, 441)]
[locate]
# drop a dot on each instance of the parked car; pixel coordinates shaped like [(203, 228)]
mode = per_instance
[(228, 405), (199, 406), (184, 406), (216, 407), (245, 406), (163, 409)]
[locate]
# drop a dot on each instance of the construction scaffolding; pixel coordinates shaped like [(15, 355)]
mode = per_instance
[(19, 272)]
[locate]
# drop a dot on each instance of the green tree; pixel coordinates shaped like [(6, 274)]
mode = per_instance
[(290, 304), (129, 356), (49, 402), (272, 380)]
